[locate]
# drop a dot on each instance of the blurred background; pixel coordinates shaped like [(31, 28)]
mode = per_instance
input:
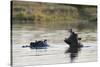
[(55, 15)]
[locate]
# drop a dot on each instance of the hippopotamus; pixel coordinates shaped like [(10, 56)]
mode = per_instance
[(38, 44)]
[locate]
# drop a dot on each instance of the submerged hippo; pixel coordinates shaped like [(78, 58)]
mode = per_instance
[(38, 45)]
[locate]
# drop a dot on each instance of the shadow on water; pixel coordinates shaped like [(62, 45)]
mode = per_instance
[(73, 53)]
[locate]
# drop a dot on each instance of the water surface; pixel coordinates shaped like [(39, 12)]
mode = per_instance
[(23, 35)]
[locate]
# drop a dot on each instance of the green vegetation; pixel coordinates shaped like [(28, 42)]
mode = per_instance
[(53, 15)]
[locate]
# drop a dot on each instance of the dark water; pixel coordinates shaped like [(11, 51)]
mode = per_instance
[(23, 35)]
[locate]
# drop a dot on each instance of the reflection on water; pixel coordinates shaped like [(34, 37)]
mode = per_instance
[(23, 35), (73, 53)]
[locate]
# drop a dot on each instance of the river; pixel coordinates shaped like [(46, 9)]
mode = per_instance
[(55, 54)]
